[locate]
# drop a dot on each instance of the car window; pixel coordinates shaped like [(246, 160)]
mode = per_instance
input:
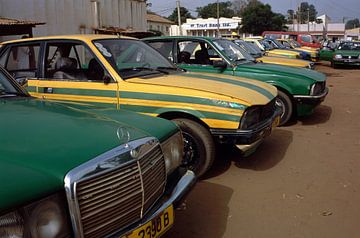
[(72, 62), (306, 38), (196, 52), (164, 48), (22, 61)]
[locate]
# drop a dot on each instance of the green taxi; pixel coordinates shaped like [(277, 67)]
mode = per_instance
[(299, 90), (346, 53), (74, 171), (124, 73)]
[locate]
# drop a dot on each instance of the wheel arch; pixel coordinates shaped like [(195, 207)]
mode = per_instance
[(170, 115)]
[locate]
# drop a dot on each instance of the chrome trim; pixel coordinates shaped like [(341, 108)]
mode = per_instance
[(99, 165), (326, 91), (183, 186)]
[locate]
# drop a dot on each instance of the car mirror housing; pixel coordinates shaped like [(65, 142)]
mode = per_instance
[(220, 64)]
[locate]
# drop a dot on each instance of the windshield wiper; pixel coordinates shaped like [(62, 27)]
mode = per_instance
[(170, 68), (4, 94), (143, 69)]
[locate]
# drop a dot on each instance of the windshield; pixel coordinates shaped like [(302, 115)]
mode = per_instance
[(278, 44), (244, 45), (6, 88), (133, 58), (349, 46), (234, 52), (266, 45), (295, 43)]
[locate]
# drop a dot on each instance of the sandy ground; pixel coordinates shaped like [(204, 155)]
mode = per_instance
[(303, 181)]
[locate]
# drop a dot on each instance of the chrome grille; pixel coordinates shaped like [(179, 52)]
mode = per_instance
[(114, 198)]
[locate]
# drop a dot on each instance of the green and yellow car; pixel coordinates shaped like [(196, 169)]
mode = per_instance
[(124, 73), (256, 52), (75, 171), (292, 44), (299, 90), (271, 51)]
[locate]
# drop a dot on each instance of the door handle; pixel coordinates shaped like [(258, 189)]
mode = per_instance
[(49, 90)]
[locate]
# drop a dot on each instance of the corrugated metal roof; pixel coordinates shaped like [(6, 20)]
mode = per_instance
[(10, 22), (157, 18)]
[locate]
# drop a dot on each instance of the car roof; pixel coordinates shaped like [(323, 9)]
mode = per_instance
[(82, 37)]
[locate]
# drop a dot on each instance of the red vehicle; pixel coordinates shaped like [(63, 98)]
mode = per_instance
[(303, 38)]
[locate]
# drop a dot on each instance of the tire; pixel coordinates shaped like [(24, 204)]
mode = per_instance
[(199, 146), (285, 103)]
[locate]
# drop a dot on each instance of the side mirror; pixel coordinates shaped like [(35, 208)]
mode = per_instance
[(106, 79), (220, 64)]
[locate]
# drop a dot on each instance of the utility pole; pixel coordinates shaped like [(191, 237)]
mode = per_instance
[(308, 20), (218, 21), (179, 16)]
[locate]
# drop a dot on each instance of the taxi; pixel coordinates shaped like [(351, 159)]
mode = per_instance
[(125, 73), (300, 90)]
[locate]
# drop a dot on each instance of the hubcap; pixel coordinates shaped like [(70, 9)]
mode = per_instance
[(191, 151)]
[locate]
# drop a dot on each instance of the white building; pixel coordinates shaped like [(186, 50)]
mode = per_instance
[(208, 27), (326, 28), (158, 23), (77, 16)]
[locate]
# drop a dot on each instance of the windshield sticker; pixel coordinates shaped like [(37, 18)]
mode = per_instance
[(102, 49)]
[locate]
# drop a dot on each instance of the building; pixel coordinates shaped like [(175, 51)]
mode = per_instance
[(326, 29), (208, 27), (352, 34), (157, 23), (77, 16), (17, 27)]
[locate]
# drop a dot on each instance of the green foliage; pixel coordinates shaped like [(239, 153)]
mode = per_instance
[(210, 10), (354, 23), (258, 17), (184, 13), (304, 13)]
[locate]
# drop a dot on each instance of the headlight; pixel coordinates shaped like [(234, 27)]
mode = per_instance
[(173, 149), (337, 56), (317, 88), (43, 219), (250, 117)]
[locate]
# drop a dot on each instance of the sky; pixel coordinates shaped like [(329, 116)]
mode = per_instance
[(335, 9)]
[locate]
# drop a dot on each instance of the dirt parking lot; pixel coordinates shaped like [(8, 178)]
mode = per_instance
[(303, 181)]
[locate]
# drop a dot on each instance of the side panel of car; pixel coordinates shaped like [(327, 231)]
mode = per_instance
[(326, 54), (67, 81)]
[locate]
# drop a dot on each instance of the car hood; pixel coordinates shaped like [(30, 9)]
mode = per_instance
[(275, 70), (348, 52), (41, 141), (251, 91), (284, 61), (283, 52)]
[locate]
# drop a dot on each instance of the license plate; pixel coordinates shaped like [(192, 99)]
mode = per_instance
[(156, 227), (276, 122)]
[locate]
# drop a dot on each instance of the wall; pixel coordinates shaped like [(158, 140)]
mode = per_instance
[(76, 16)]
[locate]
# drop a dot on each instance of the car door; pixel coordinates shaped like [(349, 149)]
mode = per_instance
[(71, 72), (22, 61), (198, 56)]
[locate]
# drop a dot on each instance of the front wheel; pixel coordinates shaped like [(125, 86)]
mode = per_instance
[(284, 102), (199, 146)]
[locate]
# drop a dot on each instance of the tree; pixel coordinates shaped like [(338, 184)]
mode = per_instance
[(258, 17), (354, 23), (210, 10), (306, 12), (184, 13), (290, 16)]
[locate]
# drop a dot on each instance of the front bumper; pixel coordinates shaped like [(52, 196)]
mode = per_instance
[(345, 61), (311, 100), (248, 139), (179, 190)]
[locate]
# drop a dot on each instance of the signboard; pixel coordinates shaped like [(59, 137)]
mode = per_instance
[(210, 25)]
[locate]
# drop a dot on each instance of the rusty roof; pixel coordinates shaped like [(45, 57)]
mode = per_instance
[(11, 22), (156, 18)]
